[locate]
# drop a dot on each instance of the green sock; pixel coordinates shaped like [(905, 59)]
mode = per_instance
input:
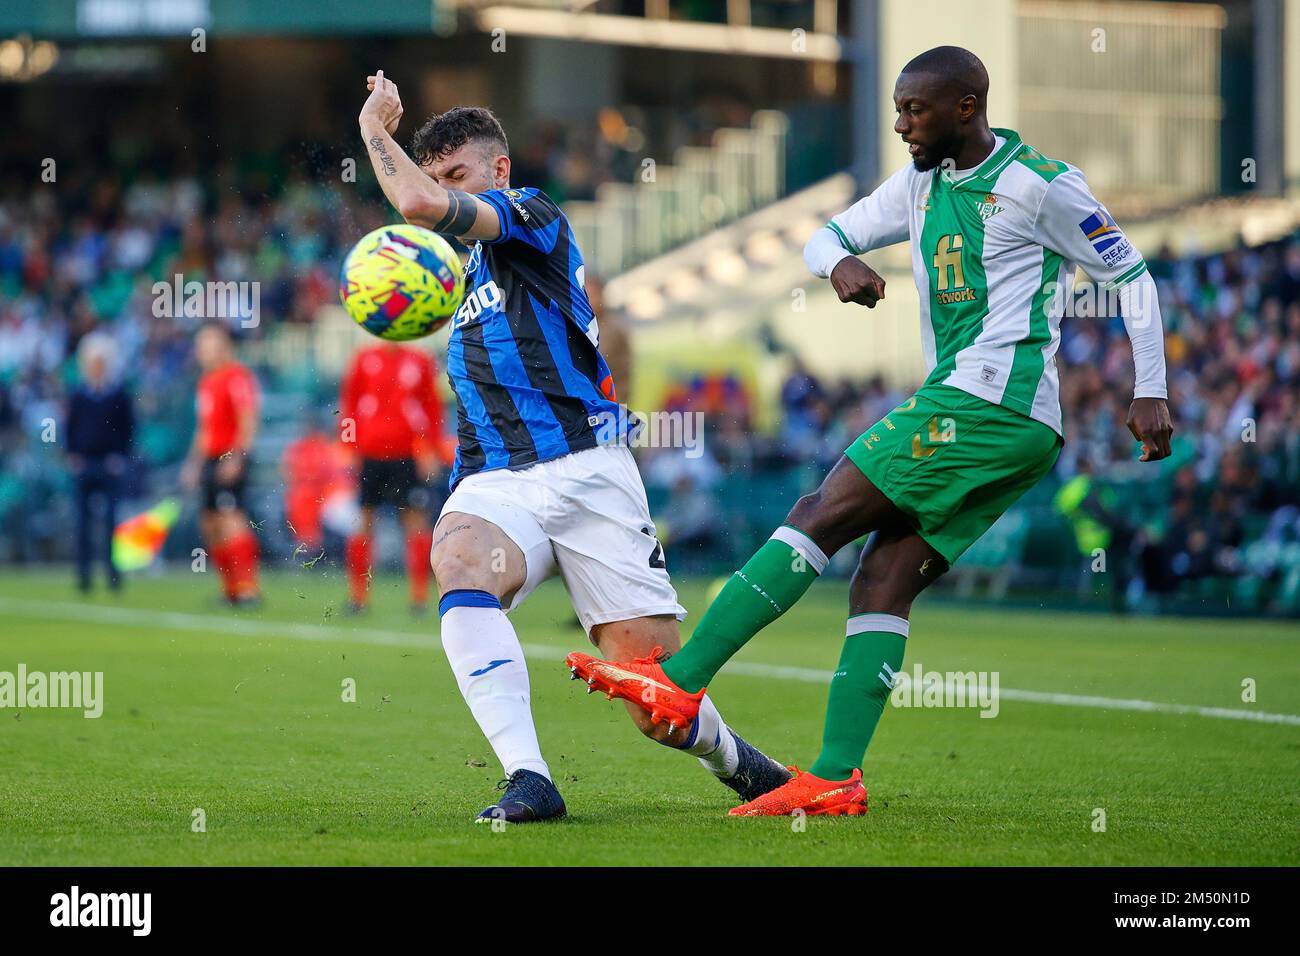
[(873, 653), (765, 588)]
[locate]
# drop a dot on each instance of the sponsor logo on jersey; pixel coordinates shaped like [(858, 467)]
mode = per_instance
[(484, 298), (514, 195), (1106, 237), (961, 295)]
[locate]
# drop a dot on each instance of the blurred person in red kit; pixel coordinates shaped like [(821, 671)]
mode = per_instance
[(218, 463), (391, 414), (317, 473)]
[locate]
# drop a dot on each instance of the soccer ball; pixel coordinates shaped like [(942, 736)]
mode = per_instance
[(401, 282)]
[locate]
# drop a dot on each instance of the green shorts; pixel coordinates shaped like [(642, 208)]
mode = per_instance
[(953, 463)]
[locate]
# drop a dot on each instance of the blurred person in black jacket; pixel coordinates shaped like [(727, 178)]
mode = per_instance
[(101, 426)]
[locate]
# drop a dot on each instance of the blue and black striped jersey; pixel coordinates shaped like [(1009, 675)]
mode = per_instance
[(530, 382)]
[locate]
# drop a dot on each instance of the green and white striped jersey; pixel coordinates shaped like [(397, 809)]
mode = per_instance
[(994, 254)]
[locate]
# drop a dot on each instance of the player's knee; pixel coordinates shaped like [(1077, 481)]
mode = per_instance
[(809, 515), (457, 569), (815, 516), (232, 522), (874, 566)]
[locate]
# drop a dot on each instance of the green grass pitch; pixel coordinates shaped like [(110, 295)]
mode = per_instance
[(241, 715)]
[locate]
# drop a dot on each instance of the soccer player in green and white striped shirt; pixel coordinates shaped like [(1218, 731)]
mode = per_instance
[(996, 231)]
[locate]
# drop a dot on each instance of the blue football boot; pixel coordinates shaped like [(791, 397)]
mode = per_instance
[(528, 797)]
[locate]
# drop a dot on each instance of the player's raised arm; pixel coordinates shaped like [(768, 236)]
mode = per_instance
[(419, 200), (877, 220), (1072, 223)]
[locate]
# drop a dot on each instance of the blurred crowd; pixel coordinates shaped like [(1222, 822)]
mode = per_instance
[(1232, 324), (85, 259), (83, 254), (1232, 343)]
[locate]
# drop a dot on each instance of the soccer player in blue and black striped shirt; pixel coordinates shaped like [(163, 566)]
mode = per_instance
[(544, 481)]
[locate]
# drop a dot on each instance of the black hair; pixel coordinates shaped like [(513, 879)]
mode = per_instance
[(444, 133), (957, 70)]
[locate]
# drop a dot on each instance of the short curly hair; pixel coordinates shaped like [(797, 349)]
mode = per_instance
[(444, 133)]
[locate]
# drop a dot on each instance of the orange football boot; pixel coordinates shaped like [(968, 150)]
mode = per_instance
[(813, 795), (643, 682)]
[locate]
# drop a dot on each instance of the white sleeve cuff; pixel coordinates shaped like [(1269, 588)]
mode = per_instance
[(824, 252)]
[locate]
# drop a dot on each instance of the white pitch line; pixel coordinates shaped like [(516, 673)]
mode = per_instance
[(183, 621)]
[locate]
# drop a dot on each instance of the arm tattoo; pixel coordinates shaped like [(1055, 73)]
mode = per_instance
[(390, 168), (461, 213)]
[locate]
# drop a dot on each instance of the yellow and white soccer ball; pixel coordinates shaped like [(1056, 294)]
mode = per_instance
[(401, 282)]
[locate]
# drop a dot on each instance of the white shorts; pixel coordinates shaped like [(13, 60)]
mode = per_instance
[(584, 515)]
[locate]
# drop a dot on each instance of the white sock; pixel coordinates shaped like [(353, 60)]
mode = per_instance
[(713, 743), (488, 662)]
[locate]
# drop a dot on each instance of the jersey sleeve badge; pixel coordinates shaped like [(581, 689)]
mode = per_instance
[(1106, 237)]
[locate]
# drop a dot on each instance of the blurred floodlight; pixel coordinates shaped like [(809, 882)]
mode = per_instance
[(765, 248), (684, 285), (801, 229), (12, 57), (645, 303), (726, 266), (21, 59)]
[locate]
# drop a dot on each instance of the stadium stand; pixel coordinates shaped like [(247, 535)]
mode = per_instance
[(1229, 538)]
